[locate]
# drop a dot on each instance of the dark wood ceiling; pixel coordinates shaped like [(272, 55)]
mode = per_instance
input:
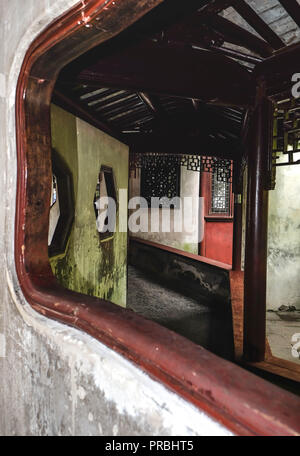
[(179, 80)]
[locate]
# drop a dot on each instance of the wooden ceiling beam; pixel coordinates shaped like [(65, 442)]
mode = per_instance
[(153, 142), (178, 144), (236, 55), (237, 35), (279, 69), (89, 98), (215, 6), (196, 104), (152, 106), (186, 73), (253, 19), (160, 140), (161, 118), (293, 9), (202, 29)]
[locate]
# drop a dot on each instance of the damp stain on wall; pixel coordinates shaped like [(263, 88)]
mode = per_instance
[(88, 265)]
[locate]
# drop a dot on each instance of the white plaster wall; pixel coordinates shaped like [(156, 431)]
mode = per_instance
[(187, 240), (56, 380), (284, 240)]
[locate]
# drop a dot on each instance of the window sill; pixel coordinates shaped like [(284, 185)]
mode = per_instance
[(192, 256), (218, 218)]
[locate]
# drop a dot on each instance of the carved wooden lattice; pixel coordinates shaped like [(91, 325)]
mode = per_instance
[(218, 166), (220, 196), (285, 149), (160, 179), (286, 133)]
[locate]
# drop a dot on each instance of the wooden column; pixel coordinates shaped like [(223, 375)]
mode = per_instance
[(203, 194), (237, 233), (256, 232)]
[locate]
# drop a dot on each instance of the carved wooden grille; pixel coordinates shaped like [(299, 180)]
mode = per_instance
[(286, 133), (160, 179), (219, 166), (285, 149), (220, 196)]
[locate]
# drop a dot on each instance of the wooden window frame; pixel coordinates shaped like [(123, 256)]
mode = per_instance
[(206, 192), (219, 215), (66, 204), (239, 400), (107, 170)]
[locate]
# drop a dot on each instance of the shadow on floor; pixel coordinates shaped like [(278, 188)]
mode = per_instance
[(198, 321)]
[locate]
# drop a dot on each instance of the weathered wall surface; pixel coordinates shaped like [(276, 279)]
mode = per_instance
[(187, 240), (192, 278), (56, 380), (284, 240), (90, 266)]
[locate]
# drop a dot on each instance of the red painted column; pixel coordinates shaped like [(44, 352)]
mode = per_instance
[(256, 232)]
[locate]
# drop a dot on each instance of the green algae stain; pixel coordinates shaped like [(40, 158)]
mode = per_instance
[(89, 266)]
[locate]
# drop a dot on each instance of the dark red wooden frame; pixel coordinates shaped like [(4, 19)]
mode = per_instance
[(241, 401), (213, 217), (217, 215)]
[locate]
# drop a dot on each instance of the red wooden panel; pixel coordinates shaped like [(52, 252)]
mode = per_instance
[(218, 241)]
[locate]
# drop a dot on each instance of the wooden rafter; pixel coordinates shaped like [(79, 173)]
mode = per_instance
[(160, 115), (155, 69), (236, 55), (215, 6), (151, 104), (156, 142), (237, 35), (253, 19), (76, 108), (200, 143), (293, 9)]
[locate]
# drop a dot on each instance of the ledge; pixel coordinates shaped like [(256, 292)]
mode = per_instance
[(201, 259)]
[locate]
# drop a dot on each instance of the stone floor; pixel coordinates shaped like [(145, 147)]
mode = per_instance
[(281, 327), (198, 321)]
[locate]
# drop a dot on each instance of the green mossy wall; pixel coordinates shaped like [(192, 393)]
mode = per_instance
[(88, 266)]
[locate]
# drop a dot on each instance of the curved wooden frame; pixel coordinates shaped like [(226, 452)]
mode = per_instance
[(241, 401)]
